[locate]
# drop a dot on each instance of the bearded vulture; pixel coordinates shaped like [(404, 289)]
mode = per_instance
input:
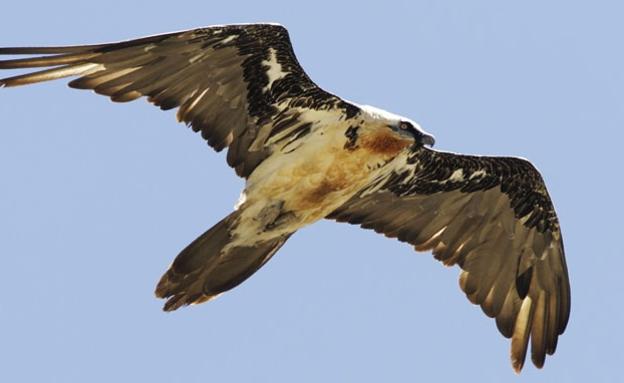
[(307, 154)]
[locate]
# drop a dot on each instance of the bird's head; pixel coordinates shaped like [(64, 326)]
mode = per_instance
[(410, 128), (399, 125)]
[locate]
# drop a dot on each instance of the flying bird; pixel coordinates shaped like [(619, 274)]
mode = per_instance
[(307, 154)]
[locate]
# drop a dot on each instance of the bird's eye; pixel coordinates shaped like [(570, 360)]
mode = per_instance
[(404, 125)]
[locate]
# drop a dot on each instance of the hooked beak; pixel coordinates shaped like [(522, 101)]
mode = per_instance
[(428, 140)]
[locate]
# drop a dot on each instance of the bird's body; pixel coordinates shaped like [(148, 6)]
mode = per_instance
[(311, 172), (316, 173), (307, 155)]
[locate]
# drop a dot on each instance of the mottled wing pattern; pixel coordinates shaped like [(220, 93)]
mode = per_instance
[(491, 216), (238, 84)]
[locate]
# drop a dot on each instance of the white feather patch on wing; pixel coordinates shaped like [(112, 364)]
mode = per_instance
[(275, 71)]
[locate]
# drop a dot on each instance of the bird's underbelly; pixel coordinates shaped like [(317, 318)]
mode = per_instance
[(293, 190), (315, 188)]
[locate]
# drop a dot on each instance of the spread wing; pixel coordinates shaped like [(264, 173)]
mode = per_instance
[(239, 85), (493, 217)]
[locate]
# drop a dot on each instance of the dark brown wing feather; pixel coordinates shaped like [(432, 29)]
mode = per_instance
[(491, 216), (219, 77)]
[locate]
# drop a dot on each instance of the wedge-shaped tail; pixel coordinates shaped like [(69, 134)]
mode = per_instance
[(208, 267)]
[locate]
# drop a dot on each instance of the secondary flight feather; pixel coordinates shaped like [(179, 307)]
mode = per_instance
[(307, 154)]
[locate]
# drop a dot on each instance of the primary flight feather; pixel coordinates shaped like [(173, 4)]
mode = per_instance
[(307, 154)]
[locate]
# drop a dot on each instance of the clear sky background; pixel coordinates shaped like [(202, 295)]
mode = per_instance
[(96, 199)]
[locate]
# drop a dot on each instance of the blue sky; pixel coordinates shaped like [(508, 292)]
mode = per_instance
[(97, 198)]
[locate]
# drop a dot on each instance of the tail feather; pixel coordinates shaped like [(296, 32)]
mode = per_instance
[(203, 270)]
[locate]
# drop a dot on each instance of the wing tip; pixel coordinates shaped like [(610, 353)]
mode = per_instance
[(175, 302), (517, 365), (538, 361), (44, 50)]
